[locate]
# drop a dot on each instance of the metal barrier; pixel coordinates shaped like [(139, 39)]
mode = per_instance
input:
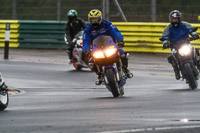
[(41, 34), (144, 37), (138, 36)]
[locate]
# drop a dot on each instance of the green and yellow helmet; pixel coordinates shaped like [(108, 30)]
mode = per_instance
[(95, 13)]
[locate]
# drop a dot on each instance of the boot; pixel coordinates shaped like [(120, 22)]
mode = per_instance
[(125, 69), (70, 61), (196, 73), (198, 62), (127, 72), (175, 67), (177, 74), (99, 79)]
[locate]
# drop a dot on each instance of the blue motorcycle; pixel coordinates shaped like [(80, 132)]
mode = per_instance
[(106, 56)]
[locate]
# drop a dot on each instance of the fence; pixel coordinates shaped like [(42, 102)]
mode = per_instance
[(144, 37), (41, 34), (138, 37), (134, 10)]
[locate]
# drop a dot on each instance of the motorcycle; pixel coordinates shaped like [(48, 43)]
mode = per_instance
[(106, 57), (185, 56), (77, 61), (4, 99)]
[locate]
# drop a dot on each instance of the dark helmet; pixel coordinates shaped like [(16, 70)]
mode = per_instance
[(175, 14), (72, 14)]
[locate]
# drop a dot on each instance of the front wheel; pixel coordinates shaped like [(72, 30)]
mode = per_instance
[(3, 99), (190, 76), (113, 83)]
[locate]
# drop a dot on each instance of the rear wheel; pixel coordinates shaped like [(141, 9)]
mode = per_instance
[(190, 76), (112, 80), (4, 99), (77, 66)]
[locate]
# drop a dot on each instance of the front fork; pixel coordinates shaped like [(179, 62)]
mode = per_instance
[(117, 68), (192, 60)]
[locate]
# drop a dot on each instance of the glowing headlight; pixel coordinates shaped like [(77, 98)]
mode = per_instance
[(110, 51), (184, 120), (98, 54), (184, 50)]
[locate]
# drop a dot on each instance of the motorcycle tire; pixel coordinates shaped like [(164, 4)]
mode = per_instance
[(4, 99), (77, 67), (190, 76), (112, 80)]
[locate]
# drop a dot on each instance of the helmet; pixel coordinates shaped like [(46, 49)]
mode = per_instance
[(72, 14), (175, 14), (95, 13)]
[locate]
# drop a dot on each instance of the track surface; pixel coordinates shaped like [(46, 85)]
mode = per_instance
[(55, 98)]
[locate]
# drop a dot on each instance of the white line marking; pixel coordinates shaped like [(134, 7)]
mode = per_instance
[(150, 129)]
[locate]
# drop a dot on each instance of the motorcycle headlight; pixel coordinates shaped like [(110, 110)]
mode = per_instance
[(98, 54), (110, 51), (184, 50)]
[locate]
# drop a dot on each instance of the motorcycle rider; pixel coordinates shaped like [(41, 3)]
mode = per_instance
[(177, 30), (72, 27), (98, 27)]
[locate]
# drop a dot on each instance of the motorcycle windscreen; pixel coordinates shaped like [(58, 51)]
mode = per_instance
[(103, 41)]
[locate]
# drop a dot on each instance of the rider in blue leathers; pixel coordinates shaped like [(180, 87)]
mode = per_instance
[(98, 27), (177, 31)]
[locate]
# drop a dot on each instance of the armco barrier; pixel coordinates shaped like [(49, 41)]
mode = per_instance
[(14, 25), (144, 37), (138, 36), (41, 34)]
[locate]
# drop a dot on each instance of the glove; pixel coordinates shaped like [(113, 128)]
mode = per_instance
[(120, 44), (165, 45), (196, 36), (86, 56)]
